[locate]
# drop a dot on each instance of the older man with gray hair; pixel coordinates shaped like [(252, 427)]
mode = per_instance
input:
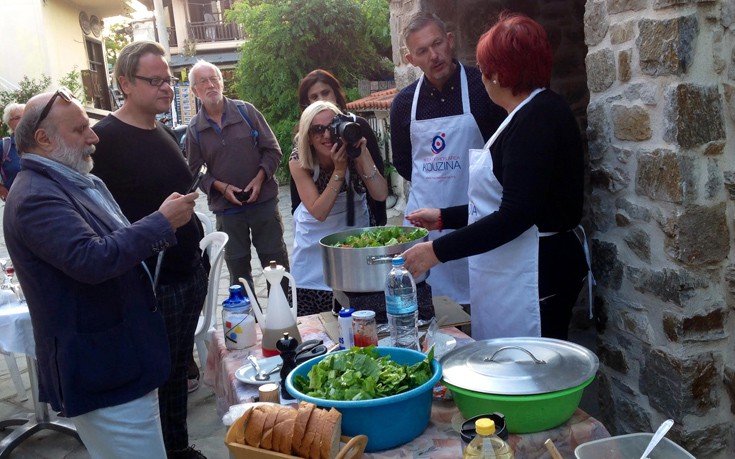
[(10, 160), (100, 339), (241, 153)]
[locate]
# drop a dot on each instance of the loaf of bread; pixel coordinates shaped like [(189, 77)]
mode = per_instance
[(307, 432)]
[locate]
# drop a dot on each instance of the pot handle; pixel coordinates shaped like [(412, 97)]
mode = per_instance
[(379, 259), (505, 348)]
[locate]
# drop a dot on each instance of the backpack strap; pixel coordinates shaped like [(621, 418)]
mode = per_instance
[(6, 152), (253, 132)]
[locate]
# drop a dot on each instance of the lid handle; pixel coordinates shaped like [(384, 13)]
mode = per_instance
[(505, 348)]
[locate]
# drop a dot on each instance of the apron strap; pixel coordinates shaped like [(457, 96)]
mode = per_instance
[(590, 277)]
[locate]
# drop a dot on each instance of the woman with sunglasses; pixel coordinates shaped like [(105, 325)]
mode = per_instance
[(322, 172), (322, 85)]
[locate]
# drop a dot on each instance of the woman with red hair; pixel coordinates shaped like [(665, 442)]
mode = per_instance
[(525, 197)]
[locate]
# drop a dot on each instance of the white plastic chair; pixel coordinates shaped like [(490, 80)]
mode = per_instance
[(206, 222), (214, 243)]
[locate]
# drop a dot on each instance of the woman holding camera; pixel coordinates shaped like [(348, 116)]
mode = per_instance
[(323, 171), (322, 85)]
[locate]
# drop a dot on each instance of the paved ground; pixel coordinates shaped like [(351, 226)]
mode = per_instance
[(205, 427)]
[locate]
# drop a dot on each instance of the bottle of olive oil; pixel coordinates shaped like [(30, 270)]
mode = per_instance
[(487, 445)]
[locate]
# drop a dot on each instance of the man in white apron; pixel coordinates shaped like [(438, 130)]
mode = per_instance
[(434, 123)]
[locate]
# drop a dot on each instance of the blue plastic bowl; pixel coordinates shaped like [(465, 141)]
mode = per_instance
[(388, 422)]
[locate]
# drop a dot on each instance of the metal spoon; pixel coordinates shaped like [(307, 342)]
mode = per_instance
[(662, 429), (261, 375)]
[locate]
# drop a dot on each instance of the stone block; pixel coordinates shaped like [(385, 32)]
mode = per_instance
[(666, 47), (635, 323), (635, 211), (708, 441), (702, 236), (702, 327), (729, 381), (606, 266), (729, 182), (619, 6), (730, 279), (663, 175), (715, 148), (645, 92), (668, 285), (624, 70), (613, 357), (600, 70), (613, 180), (713, 185), (729, 93), (678, 386), (639, 242), (595, 23), (631, 123), (620, 32), (598, 130), (694, 115), (601, 211)]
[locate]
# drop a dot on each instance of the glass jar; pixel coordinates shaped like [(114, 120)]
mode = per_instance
[(364, 330)]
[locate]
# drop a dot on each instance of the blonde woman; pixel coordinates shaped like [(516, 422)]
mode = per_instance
[(322, 172)]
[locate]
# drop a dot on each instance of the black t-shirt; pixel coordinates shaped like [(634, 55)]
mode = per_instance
[(142, 167)]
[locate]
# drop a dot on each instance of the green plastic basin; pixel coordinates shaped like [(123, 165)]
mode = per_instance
[(523, 413)]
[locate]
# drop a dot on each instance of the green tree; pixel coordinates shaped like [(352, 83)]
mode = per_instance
[(27, 88), (119, 35), (287, 39), (73, 82)]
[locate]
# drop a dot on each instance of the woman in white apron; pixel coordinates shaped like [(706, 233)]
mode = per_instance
[(322, 171), (525, 197)]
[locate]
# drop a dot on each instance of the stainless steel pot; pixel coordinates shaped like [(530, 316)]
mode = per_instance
[(360, 269)]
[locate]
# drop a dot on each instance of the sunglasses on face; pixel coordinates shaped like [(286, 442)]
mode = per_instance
[(61, 92), (318, 129), (158, 82)]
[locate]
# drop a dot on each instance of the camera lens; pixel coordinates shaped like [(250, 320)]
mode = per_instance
[(350, 132)]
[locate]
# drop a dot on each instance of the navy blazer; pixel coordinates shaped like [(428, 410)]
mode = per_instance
[(100, 340)]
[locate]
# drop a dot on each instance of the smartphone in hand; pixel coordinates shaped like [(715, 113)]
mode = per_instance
[(197, 179)]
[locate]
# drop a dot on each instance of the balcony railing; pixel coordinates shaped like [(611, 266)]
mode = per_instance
[(208, 31), (172, 41)]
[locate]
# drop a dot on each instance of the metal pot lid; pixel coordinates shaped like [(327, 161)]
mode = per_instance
[(519, 366)]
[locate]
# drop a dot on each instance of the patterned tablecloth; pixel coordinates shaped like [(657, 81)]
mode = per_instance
[(441, 438)]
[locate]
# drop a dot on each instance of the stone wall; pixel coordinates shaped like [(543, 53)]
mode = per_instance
[(660, 125), (661, 144)]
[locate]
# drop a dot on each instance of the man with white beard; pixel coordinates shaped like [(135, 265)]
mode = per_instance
[(101, 343)]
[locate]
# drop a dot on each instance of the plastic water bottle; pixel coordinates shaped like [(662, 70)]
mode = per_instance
[(487, 445), (238, 320), (401, 306)]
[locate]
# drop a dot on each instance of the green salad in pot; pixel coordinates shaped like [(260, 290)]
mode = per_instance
[(361, 374), (382, 237)]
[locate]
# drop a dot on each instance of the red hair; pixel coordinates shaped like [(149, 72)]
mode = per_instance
[(517, 49)]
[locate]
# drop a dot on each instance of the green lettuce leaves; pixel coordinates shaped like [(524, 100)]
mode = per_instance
[(361, 374)]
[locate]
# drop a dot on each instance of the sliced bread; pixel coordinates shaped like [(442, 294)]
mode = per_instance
[(302, 420), (254, 427), (330, 435)]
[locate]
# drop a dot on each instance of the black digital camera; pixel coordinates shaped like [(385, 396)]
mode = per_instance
[(344, 128)]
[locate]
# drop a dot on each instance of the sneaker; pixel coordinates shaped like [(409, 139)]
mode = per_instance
[(192, 384), (187, 453)]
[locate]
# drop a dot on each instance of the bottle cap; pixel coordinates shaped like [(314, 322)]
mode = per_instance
[(397, 260), (485, 426), (346, 312), (235, 288), (365, 314)]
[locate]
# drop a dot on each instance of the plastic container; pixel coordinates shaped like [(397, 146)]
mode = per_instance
[(346, 339), (401, 306), (487, 445), (630, 446), (467, 431), (388, 422), (238, 320)]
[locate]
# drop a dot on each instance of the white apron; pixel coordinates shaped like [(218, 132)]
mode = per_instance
[(306, 259), (503, 281), (440, 176)]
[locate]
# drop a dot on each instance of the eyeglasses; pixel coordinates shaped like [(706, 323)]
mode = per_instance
[(213, 80), (318, 129), (158, 82), (61, 92)]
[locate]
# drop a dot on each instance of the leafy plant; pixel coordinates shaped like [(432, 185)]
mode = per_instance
[(27, 88), (288, 39), (73, 82)]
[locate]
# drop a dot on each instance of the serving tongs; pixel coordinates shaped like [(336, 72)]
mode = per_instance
[(308, 350)]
